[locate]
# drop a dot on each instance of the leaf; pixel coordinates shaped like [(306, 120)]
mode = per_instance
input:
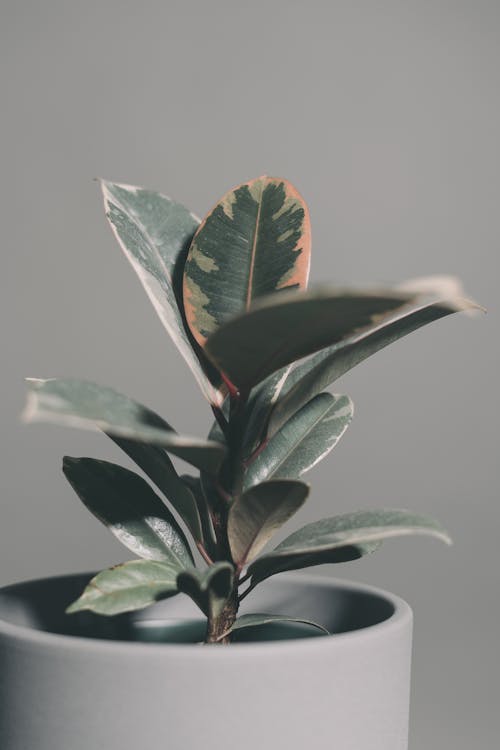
[(257, 514), (209, 589), (77, 403), (282, 328), (154, 232), (194, 486), (156, 464), (124, 588), (259, 406), (312, 376), (255, 241), (304, 440), (341, 538), (251, 621), (131, 510)]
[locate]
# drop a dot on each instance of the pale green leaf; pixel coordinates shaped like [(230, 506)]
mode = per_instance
[(154, 233), (77, 403), (127, 587)]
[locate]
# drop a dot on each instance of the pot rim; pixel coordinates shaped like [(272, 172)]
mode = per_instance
[(400, 618)]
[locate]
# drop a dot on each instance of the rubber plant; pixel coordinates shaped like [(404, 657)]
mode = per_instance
[(232, 292)]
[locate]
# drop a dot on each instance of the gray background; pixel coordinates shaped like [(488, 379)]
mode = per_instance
[(386, 115)]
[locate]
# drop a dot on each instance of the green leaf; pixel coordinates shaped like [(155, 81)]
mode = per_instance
[(341, 538), (259, 406), (308, 378), (154, 232), (255, 241), (251, 621), (127, 505), (209, 589), (257, 514), (303, 441), (77, 403), (156, 464), (124, 588), (194, 486), (282, 328)]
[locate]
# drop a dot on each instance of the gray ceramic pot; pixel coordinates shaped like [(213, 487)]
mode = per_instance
[(69, 684)]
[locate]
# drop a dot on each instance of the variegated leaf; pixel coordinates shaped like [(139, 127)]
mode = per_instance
[(154, 232), (256, 240), (258, 513), (129, 508), (77, 403), (127, 587), (303, 441), (341, 538), (288, 326)]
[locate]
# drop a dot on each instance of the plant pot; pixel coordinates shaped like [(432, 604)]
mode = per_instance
[(84, 682)]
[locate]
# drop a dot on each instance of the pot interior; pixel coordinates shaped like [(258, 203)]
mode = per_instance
[(336, 606)]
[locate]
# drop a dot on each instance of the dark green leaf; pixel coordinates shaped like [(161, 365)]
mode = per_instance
[(124, 588), (77, 403), (156, 464), (255, 241), (194, 485), (312, 376), (257, 514), (251, 621), (127, 505), (259, 406), (303, 441), (282, 328), (341, 538), (209, 589), (154, 232)]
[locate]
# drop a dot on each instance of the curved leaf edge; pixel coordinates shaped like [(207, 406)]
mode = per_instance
[(94, 598), (258, 619)]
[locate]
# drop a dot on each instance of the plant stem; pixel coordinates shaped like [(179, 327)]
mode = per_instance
[(219, 625), (229, 487)]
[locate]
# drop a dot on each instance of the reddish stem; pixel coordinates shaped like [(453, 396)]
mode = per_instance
[(204, 553), (256, 453)]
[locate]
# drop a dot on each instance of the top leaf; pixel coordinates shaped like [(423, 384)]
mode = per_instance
[(255, 241)]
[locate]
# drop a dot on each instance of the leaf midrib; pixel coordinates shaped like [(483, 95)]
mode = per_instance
[(254, 251)]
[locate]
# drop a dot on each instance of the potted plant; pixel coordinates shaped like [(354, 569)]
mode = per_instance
[(115, 661)]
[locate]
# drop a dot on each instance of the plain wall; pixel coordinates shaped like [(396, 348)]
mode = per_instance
[(386, 115)]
